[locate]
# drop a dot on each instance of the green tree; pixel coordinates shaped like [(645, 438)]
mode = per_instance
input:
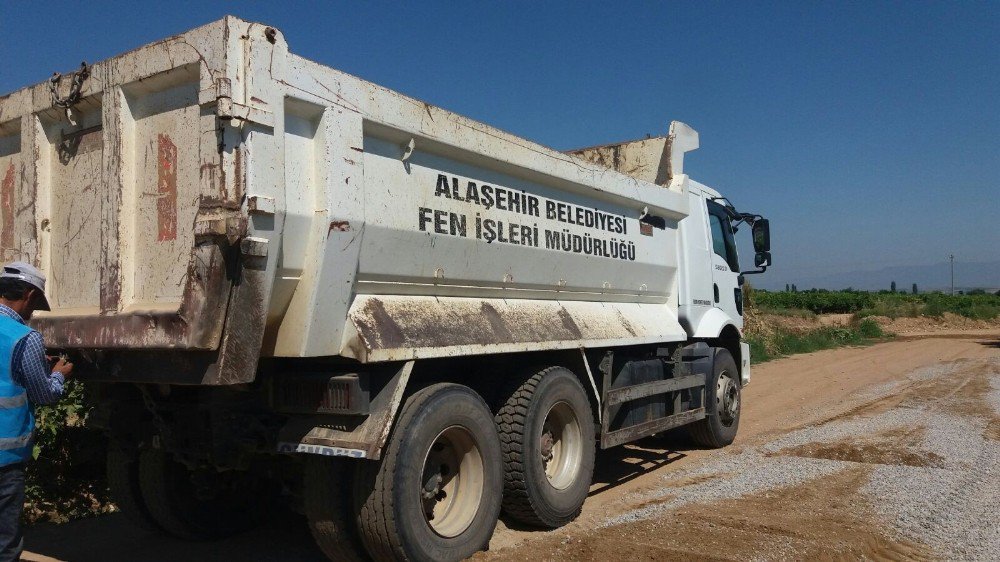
[(892, 287), (914, 288), (787, 289), (794, 288)]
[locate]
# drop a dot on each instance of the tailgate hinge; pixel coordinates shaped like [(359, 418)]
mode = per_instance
[(220, 95)]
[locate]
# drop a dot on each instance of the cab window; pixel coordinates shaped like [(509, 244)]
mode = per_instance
[(723, 242)]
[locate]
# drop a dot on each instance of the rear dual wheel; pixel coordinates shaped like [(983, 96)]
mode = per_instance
[(123, 483), (547, 434), (202, 504), (435, 493), (157, 493)]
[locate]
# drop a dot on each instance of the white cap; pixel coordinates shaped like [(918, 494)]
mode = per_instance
[(30, 275)]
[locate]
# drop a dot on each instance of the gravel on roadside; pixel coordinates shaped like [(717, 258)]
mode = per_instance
[(952, 506)]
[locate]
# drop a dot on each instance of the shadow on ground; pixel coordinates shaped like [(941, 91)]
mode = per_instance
[(620, 465), (285, 535)]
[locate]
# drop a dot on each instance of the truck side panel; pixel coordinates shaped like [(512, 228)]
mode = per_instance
[(456, 210)]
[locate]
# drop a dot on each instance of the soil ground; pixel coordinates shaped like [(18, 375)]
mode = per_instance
[(800, 482)]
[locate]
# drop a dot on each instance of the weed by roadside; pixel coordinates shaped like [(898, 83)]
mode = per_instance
[(892, 308), (781, 343), (768, 341), (869, 328), (66, 479), (789, 312)]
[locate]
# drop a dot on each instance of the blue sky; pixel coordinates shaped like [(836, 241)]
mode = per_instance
[(869, 132)]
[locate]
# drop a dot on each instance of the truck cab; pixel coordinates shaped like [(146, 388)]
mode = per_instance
[(710, 278), (710, 298)]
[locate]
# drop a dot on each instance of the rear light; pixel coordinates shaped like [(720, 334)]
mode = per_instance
[(321, 394)]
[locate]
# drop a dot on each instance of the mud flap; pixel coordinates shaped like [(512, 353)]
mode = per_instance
[(245, 318), (362, 439), (744, 364)]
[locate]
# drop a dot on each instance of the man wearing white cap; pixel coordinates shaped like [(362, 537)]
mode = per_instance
[(25, 381)]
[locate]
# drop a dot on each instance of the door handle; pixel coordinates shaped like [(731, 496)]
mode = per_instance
[(716, 287)]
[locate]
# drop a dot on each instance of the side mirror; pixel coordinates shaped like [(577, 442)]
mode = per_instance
[(762, 238), (762, 259)]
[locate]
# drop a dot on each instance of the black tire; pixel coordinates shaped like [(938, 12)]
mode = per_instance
[(530, 495), (123, 483), (720, 425), (390, 501), (232, 503), (328, 483)]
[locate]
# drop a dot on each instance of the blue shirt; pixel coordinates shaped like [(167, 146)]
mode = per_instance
[(30, 368)]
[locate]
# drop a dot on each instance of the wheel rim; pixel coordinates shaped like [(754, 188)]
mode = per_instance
[(561, 446), (728, 396), (452, 482)]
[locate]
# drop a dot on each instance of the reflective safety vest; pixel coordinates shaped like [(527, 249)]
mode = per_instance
[(17, 420)]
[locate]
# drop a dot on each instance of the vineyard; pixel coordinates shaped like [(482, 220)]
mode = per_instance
[(980, 306)]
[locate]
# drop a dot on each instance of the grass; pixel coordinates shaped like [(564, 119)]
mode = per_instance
[(782, 343), (893, 308)]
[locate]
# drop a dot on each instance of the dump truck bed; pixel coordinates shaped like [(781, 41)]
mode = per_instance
[(214, 192)]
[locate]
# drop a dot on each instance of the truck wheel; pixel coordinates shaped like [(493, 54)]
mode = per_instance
[(547, 435), (327, 484), (722, 407), (219, 505), (123, 483), (435, 494)]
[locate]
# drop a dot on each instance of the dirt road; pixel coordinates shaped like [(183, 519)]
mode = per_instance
[(886, 451)]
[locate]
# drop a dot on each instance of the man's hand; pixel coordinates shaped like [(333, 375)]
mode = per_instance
[(62, 367)]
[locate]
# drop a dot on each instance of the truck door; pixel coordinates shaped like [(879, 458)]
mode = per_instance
[(728, 295)]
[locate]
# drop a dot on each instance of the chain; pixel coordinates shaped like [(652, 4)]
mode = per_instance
[(158, 421), (74, 92)]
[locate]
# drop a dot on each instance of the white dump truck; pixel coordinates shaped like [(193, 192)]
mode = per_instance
[(280, 282)]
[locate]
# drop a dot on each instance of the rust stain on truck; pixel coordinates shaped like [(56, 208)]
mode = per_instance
[(339, 226), (392, 325), (166, 202), (196, 324), (7, 208)]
